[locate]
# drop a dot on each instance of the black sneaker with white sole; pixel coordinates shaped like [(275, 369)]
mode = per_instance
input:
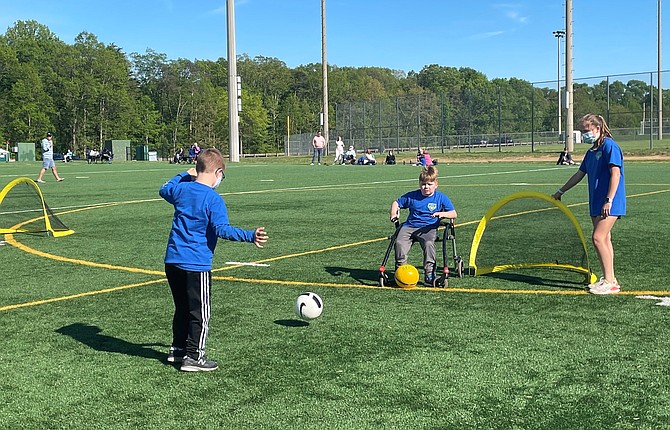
[(176, 355), (203, 365), (429, 280)]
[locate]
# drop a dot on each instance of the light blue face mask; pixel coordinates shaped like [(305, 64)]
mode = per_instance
[(588, 137), (218, 179)]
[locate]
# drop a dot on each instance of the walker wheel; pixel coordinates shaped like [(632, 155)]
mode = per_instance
[(440, 282), (460, 270)]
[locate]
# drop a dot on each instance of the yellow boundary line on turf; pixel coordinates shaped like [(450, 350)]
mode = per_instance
[(9, 238), (74, 296), (417, 288)]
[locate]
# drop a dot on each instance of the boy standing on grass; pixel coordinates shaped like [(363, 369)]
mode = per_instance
[(426, 206), (200, 218)]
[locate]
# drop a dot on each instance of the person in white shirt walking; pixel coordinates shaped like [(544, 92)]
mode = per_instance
[(48, 158)]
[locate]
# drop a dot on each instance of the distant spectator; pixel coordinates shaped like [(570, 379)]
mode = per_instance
[(420, 160), (367, 159), (48, 159), (350, 155), (92, 156), (565, 158), (427, 160), (318, 143), (106, 155), (178, 156), (339, 151), (68, 156), (192, 154), (390, 158)]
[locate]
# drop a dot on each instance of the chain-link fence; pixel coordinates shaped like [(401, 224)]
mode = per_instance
[(510, 115)]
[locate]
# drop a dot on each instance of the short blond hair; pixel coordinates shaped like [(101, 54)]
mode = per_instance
[(428, 174), (209, 160)]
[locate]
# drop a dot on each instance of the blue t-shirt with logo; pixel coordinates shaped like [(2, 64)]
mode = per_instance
[(596, 165), (421, 208)]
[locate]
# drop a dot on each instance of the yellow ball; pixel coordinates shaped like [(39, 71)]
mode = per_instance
[(406, 276)]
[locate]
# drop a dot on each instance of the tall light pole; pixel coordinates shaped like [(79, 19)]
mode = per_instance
[(559, 34), (324, 72), (569, 120), (660, 86), (233, 114)]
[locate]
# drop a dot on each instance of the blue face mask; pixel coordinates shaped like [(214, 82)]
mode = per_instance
[(588, 137), (218, 178)]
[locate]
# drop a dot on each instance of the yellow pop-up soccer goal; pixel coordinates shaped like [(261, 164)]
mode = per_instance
[(23, 210), (529, 230)]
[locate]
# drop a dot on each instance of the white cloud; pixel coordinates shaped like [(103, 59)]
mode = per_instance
[(515, 16), (487, 35), (511, 11)]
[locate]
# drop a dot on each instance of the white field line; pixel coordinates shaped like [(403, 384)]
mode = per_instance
[(317, 187), (305, 188)]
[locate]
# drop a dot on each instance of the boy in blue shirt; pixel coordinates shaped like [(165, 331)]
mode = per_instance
[(426, 206), (200, 218)]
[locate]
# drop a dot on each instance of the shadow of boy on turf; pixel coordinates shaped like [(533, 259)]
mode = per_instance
[(90, 335)]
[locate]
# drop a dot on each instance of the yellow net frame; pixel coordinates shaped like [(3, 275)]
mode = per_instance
[(490, 214), (46, 213)]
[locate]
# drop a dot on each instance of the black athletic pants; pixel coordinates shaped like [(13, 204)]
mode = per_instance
[(192, 308)]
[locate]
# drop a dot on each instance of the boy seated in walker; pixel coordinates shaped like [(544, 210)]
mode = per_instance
[(426, 206)]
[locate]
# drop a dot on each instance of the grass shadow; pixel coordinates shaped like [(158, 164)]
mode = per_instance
[(538, 280), (363, 276), (90, 335), (292, 323)]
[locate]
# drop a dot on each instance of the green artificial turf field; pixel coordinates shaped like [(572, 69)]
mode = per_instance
[(86, 318)]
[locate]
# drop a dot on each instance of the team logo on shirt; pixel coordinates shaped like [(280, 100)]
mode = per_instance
[(598, 155), (432, 206)]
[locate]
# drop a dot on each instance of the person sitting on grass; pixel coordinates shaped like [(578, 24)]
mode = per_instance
[(427, 160), (565, 158), (426, 206), (350, 155), (390, 157), (367, 159)]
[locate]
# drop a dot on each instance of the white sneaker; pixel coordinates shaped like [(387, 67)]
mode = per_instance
[(596, 284), (605, 287), (39, 181)]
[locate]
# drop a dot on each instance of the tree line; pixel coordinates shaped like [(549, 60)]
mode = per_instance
[(89, 92)]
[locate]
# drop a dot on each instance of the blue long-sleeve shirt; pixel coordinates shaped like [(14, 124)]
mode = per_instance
[(200, 218)]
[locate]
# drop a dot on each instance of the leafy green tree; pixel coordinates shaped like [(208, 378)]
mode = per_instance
[(254, 124), (30, 107)]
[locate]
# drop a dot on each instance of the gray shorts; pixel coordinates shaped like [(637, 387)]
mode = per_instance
[(48, 163)]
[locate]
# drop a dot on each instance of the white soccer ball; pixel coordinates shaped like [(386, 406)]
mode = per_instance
[(308, 306)]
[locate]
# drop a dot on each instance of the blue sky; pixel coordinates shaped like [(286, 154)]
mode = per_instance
[(501, 39)]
